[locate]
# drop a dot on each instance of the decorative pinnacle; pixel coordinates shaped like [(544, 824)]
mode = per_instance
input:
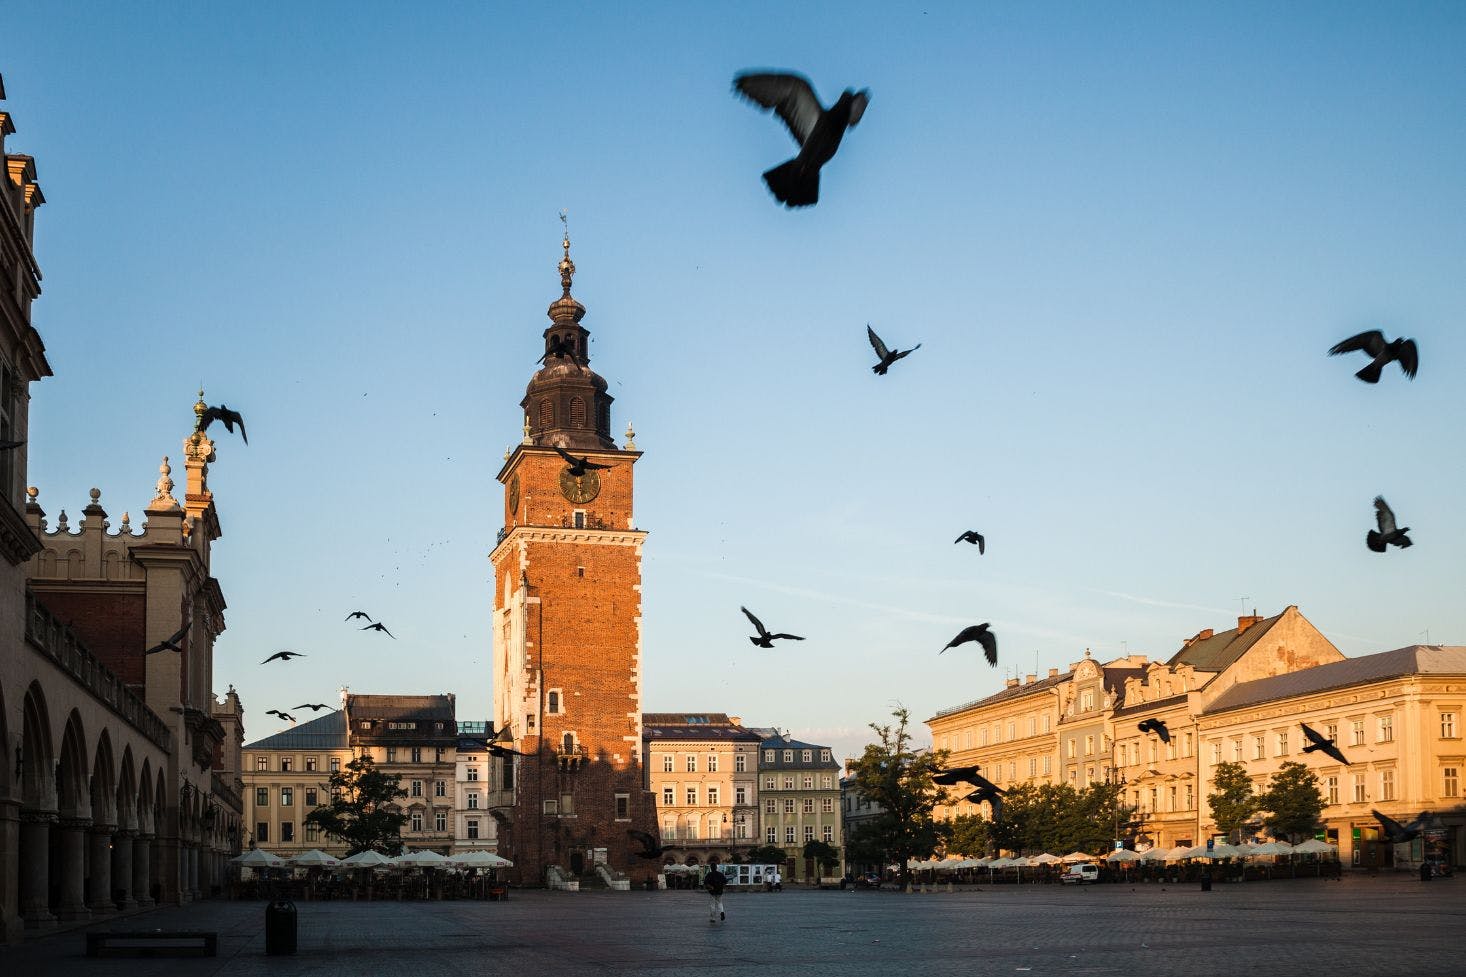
[(630, 437), (198, 410), (567, 267), (526, 439)]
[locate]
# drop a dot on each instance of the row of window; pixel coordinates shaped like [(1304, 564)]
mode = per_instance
[(566, 805), (1384, 733), (827, 805), (313, 833), (712, 792), (827, 834), (312, 795), (826, 781), (740, 762), (805, 756), (994, 733), (287, 763), (1151, 801)]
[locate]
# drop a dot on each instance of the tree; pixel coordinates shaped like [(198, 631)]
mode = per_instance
[(1232, 802), (767, 855), (1293, 801), (360, 813), (827, 855), (969, 835), (898, 779)]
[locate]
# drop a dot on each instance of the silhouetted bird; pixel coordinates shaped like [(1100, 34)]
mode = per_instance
[(10, 445), (283, 715), (992, 795), (649, 846), (765, 639), (1156, 726), (558, 348), (227, 416), (1317, 741), (885, 355), (503, 751), (284, 656), (579, 466), (980, 634), (818, 131), (1387, 534), (313, 706), (973, 537), (358, 614), (1401, 833), (170, 643), (379, 626), (1373, 343), (956, 775)]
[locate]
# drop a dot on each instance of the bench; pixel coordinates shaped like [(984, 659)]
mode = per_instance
[(152, 943)]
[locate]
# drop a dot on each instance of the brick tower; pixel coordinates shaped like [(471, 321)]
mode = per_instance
[(567, 624)]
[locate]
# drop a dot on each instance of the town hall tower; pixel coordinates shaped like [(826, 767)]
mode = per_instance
[(567, 624)]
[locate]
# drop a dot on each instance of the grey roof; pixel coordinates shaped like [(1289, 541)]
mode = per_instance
[(325, 733), (1015, 692), (784, 743), (1154, 704), (694, 726), (1410, 660), (1215, 653)]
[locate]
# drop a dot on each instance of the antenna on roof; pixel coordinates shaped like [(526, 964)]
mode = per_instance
[(1243, 601), (1426, 632)]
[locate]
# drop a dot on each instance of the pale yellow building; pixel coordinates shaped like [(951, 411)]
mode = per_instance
[(286, 777), (702, 771)]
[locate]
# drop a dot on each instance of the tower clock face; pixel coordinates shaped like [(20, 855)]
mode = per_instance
[(579, 488), (514, 494)]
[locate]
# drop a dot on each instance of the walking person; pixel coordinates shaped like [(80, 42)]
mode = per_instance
[(715, 882)]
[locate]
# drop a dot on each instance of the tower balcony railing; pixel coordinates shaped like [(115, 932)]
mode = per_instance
[(571, 757)]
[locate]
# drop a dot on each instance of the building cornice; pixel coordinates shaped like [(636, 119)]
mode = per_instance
[(560, 534)]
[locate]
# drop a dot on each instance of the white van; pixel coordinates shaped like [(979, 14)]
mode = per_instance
[(1080, 874)]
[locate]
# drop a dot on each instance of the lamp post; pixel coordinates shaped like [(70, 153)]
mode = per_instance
[(1118, 783)]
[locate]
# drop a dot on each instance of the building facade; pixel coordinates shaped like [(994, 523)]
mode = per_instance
[(286, 777), (481, 789), (415, 738), (567, 621), (856, 810), (124, 787), (702, 772), (799, 792)]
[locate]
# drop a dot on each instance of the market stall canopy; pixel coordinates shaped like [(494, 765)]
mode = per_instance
[(421, 859), (258, 858), (1315, 847), (1123, 855), (481, 859), (1002, 863), (315, 858), (1274, 848), (367, 859), (1045, 859), (1075, 857), (1155, 854)]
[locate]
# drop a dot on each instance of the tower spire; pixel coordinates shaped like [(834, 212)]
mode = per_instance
[(567, 267)]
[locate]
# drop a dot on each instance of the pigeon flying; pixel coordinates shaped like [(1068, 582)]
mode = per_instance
[(885, 355), (1401, 833), (579, 466), (170, 643), (990, 794), (284, 656), (283, 715), (313, 706), (818, 130), (227, 416), (379, 626), (1317, 741), (955, 776), (1373, 343), (764, 639), (1387, 533), (980, 634), (358, 614), (649, 847), (10, 445), (1156, 726), (973, 537)]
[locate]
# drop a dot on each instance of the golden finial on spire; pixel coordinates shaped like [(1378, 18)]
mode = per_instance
[(199, 408), (567, 267), (630, 437)]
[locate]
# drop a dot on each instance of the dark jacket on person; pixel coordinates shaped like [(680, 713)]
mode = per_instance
[(715, 882)]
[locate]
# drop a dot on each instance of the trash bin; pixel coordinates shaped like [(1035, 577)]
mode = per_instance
[(1205, 881), (280, 920)]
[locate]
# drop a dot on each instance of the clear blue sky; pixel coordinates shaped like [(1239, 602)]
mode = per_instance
[(1124, 235)]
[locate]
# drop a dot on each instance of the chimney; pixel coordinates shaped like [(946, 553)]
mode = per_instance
[(1201, 635), (1053, 673), (1247, 621), (735, 720), (1010, 683), (1029, 679)]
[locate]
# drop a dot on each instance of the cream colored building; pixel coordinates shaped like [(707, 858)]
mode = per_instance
[(484, 789), (1397, 717), (286, 777), (702, 771), (799, 790)]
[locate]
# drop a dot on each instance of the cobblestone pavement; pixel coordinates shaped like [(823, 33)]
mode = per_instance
[(1387, 925)]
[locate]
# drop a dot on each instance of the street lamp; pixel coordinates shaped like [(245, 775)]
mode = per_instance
[(1117, 782)]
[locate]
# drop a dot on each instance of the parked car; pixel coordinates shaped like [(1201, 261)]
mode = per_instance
[(1080, 874), (870, 880)]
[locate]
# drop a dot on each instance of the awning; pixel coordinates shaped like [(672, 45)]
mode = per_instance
[(258, 858)]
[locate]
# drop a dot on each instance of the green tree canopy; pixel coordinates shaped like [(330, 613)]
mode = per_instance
[(826, 855), (767, 855), (1293, 801), (898, 778), (968, 835), (1058, 818), (1232, 801), (359, 813)]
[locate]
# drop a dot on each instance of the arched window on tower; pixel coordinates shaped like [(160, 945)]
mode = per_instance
[(547, 413), (567, 744), (577, 412)]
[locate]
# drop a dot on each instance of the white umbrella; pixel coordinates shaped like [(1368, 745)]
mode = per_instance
[(1178, 852), (1123, 855), (315, 858), (1274, 848), (1045, 859), (983, 862), (1224, 851), (1154, 854), (1314, 847), (1001, 863), (1075, 857), (367, 859), (481, 859), (421, 859), (258, 858)]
